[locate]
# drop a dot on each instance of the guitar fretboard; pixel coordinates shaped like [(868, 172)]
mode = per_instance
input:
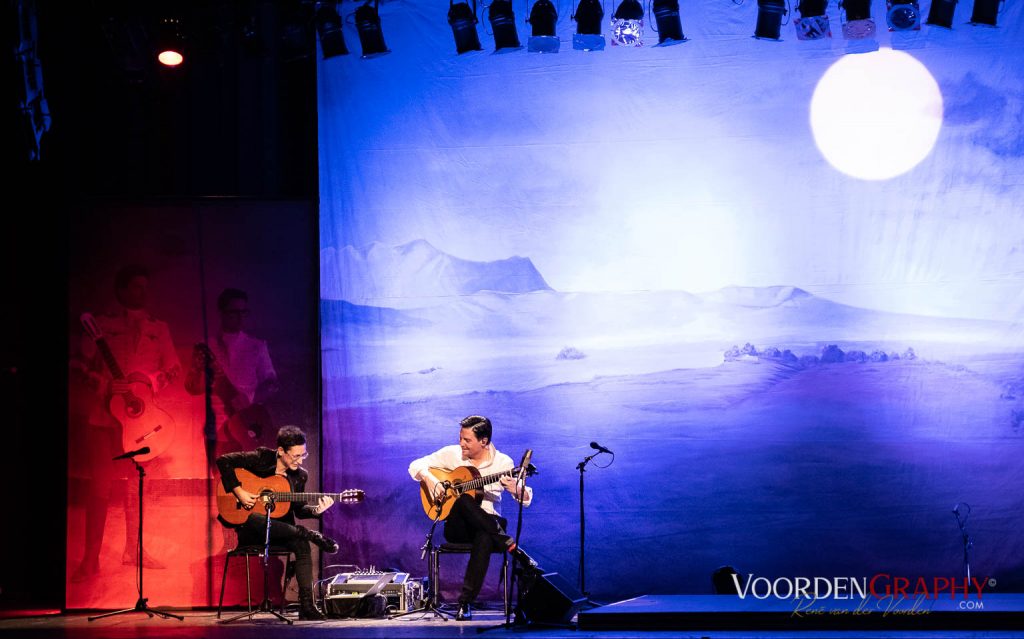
[(302, 497), (108, 357), (480, 482), (348, 496)]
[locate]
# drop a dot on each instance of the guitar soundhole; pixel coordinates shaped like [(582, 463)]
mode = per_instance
[(134, 406)]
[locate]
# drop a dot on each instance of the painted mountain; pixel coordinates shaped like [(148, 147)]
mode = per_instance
[(417, 273)]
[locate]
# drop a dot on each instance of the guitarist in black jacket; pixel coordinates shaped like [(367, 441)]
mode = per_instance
[(286, 461)]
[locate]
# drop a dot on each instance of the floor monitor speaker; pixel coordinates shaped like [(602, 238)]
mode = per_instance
[(546, 597)]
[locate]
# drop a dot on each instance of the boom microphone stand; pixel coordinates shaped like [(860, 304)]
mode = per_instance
[(265, 605), (582, 466), (141, 605)]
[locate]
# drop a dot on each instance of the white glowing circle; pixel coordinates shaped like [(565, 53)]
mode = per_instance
[(876, 115), (170, 58)]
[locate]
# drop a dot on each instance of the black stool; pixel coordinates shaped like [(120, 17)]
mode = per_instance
[(448, 548), (254, 551)]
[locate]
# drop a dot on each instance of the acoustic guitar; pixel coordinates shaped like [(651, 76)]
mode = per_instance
[(143, 423), (274, 488), (462, 480)]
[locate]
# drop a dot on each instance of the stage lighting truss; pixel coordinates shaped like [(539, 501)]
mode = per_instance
[(371, 38), (503, 24), (543, 17), (903, 15), (628, 24), (769, 19), (588, 16), (328, 28), (985, 12), (940, 13), (666, 16), (813, 23), (858, 24), (462, 20)]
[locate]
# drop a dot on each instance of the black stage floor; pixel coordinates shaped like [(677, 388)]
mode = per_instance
[(655, 616)]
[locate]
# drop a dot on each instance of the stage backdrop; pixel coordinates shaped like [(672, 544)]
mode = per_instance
[(782, 281), (192, 251)]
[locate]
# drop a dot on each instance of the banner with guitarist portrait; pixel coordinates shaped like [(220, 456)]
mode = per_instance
[(171, 328)]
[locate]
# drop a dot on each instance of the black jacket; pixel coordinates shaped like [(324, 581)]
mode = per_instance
[(262, 462)]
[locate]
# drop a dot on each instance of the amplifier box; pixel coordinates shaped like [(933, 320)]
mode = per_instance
[(402, 592)]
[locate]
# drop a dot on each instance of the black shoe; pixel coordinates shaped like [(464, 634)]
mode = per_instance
[(465, 613), (311, 613), (520, 555), (308, 610), (326, 544)]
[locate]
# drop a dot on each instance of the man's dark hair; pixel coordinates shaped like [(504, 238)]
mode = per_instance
[(290, 436), (127, 273), (229, 294), (481, 426)]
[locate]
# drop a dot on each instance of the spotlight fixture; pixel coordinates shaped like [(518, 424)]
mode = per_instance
[(769, 19), (503, 24), (812, 23), (940, 13), (858, 24), (463, 22), (328, 27), (170, 50), (588, 16), (543, 17), (985, 12), (666, 15), (371, 38), (903, 15), (628, 24)]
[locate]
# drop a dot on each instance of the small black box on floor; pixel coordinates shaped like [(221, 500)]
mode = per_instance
[(547, 598)]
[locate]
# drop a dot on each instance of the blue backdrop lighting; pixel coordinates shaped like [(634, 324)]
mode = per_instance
[(801, 368)]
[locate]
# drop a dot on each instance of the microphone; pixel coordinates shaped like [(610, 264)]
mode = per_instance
[(132, 453), (524, 464), (600, 448)]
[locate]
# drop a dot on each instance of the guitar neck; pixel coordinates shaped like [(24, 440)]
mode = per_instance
[(108, 357), (480, 482), (303, 497)]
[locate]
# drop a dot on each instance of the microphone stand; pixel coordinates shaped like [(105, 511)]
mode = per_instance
[(521, 621), (430, 597), (142, 604), (968, 542), (582, 466)]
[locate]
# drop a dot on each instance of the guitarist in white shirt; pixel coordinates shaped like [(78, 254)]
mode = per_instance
[(142, 344), (470, 522), (243, 377)]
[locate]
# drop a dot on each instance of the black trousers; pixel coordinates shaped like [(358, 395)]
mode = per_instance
[(469, 523), (292, 537)]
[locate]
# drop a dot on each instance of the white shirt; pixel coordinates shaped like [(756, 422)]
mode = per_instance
[(246, 361), (450, 458)]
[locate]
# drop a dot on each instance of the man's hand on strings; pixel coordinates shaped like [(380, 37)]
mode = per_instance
[(323, 504), (511, 485), (244, 497)]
